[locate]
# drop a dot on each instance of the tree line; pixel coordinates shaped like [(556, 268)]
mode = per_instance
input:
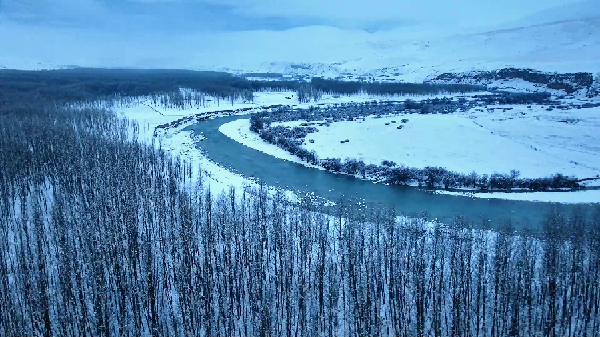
[(332, 86), (568, 82), (91, 84), (439, 177), (438, 105)]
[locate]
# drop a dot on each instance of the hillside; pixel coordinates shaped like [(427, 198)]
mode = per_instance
[(563, 39), (568, 46), (566, 39), (571, 12)]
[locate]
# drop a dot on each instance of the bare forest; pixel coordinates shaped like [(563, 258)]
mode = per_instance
[(104, 235)]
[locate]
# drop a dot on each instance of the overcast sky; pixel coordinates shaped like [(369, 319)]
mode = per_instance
[(207, 15)]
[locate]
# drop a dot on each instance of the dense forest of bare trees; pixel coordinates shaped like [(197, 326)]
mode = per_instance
[(85, 85), (103, 235)]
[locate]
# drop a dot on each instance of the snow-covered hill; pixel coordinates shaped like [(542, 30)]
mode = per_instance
[(563, 47), (575, 11), (567, 46), (565, 39)]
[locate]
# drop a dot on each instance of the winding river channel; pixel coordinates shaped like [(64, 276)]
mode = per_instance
[(407, 200)]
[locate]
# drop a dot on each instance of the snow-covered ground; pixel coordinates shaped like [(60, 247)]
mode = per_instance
[(149, 116), (576, 197), (180, 143), (239, 130), (534, 141)]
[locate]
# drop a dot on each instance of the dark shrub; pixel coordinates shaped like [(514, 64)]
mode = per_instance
[(388, 163), (334, 164)]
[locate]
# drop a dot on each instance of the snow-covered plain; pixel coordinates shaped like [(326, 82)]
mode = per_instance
[(239, 130), (576, 197), (534, 141), (149, 116)]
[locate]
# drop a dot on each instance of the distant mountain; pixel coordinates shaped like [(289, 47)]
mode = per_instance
[(570, 12), (563, 47), (561, 40)]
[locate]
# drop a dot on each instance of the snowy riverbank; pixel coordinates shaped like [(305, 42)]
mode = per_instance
[(532, 140)]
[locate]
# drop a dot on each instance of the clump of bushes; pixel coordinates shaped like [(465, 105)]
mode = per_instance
[(289, 139)]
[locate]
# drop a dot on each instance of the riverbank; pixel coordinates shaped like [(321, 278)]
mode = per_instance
[(570, 197), (239, 131), (182, 143), (152, 118)]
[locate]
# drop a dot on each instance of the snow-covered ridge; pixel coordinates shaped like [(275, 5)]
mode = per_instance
[(583, 10), (575, 197), (528, 80), (568, 44), (571, 46)]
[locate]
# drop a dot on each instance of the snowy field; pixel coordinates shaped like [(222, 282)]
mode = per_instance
[(591, 196), (534, 141)]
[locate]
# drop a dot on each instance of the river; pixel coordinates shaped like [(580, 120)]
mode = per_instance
[(406, 200)]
